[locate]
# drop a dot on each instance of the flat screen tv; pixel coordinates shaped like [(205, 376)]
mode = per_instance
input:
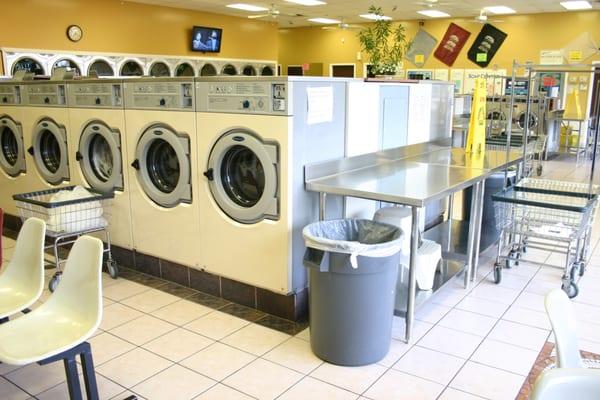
[(206, 39)]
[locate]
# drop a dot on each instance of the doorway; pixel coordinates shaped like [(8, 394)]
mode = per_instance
[(342, 70)]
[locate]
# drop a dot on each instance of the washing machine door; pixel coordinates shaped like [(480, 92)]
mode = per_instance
[(99, 157), (49, 149), (533, 120), (496, 121), (163, 166), (243, 174), (12, 154)]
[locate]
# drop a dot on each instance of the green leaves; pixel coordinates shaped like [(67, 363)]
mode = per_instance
[(384, 43)]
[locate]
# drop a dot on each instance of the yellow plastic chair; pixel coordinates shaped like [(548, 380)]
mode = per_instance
[(22, 279), (567, 383), (59, 328)]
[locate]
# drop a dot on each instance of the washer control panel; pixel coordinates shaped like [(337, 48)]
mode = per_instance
[(103, 94), (10, 94), (244, 97), (160, 95), (42, 93)]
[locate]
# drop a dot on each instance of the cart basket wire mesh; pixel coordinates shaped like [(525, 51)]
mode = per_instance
[(544, 214), (79, 215)]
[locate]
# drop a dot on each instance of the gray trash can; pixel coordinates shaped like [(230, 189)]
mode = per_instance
[(353, 268)]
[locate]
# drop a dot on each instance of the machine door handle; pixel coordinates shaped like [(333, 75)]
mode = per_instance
[(209, 174), (78, 156), (30, 150), (136, 164), (98, 101), (47, 100), (162, 102)]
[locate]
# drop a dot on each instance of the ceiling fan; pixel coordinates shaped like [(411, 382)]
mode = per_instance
[(343, 26), (432, 3), (273, 12), (482, 18)]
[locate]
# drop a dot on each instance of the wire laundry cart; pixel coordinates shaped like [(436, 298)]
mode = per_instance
[(534, 151), (547, 215), (69, 219)]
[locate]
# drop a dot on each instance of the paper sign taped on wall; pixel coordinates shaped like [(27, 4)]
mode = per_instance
[(320, 105)]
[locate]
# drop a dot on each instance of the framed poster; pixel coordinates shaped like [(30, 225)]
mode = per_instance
[(486, 45), (452, 43)]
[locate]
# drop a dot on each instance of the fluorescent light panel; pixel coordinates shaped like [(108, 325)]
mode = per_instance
[(576, 5), (375, 17), (307, 2), (247, 7), (433, 13), (325, 20), (500, 10)]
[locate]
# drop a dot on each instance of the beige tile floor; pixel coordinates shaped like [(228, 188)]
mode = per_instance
[(478, 343)]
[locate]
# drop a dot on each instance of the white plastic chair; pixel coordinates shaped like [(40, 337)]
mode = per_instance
[(59, 328), (22, 279), (561, 312), (567, 383)]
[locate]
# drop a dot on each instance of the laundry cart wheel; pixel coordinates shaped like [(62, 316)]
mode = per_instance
[(571, 289), (497, 273), (54, 282), (113, 268)]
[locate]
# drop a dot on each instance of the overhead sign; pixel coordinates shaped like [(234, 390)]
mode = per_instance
[(551, 57)]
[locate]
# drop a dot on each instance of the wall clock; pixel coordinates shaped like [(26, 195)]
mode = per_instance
[(74, 33)]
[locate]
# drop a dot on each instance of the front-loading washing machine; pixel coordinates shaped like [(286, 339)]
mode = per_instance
[(13, 167), (496, 115), (520, 115), (254, 137), (45, 132), (98, 145), (163, 174)]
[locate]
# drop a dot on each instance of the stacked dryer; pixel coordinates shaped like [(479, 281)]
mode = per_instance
[(98, 145), (254, 137), (45, 131), (13, 167), (162, 167)]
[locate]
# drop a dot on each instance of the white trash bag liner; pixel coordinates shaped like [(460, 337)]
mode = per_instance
[(357, 237)]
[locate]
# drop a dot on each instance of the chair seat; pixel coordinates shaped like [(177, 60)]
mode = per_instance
[(42, 334), (14, 299)]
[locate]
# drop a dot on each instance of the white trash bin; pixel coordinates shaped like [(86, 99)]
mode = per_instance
[(429, 253)]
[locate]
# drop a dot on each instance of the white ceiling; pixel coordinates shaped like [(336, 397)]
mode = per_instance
[(348, 10)]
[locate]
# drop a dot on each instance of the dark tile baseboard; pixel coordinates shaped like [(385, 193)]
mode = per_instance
[(293, 307)]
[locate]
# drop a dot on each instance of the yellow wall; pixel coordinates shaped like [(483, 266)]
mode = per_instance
[(527, 35), (125, 27)]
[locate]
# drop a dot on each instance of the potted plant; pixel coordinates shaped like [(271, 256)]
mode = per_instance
[(384, 43)]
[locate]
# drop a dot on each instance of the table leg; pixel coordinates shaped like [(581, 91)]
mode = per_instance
[(322, 203), (412, 273), (480, 201), (472, 231)]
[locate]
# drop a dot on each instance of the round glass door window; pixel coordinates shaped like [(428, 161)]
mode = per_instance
[(10, 146), (50, 151), (131, 68), (160, 69), (532, 121), (267, 71), (163, 166), (249, 70), (69, 65), (101, 159), (242, 176), (29, 65), (101, 68), (229, 70), (208, 70), (184, 69)]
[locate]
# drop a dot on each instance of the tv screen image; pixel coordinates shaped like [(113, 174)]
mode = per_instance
[(206, 39)]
